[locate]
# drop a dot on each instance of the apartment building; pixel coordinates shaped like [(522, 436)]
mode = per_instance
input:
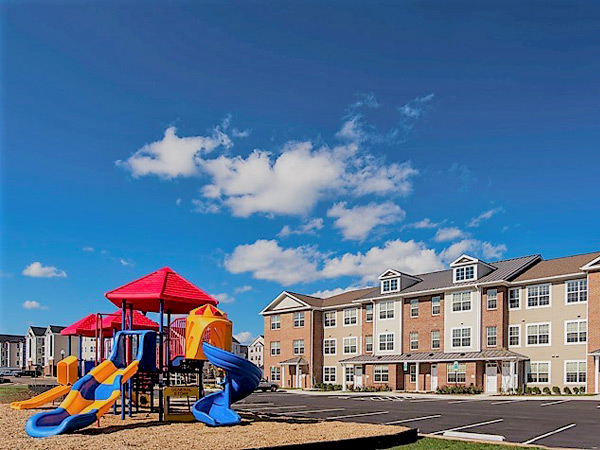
[(256, 351), (12, 351), (34, 347), (498, 326)]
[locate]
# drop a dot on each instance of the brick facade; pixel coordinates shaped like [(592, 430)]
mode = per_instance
[(424, 324), (495, 318), (593, 325)]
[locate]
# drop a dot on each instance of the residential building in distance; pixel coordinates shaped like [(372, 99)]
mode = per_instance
[(34, 347), (498, 325), (12, 351), (238, 349), (256, 351)]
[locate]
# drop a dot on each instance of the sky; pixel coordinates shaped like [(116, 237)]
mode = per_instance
[(260, 146)]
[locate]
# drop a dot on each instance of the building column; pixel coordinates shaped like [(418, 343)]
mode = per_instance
[(282, 372), (597, 369), (298, 376), (417, 380), (344, 367)]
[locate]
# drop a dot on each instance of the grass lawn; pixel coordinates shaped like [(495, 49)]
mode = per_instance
[(13, 392), (447, 444)]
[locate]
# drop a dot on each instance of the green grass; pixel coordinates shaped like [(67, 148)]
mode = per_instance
[(13, 392), (447, 444)]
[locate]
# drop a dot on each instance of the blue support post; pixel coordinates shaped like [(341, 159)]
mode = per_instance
[(131, 350), (81, 365), (123, 313), (160, 360)]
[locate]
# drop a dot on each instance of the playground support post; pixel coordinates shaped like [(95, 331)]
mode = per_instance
[(130, 357), (123, 313), (81, 365), (161, 308), (69, 345)]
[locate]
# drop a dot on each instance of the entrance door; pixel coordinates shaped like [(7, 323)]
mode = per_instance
[(434, 379), (507, 377), (491, 378), (358, 376)]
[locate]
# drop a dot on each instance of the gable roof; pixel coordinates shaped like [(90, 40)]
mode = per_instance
[(11, 338), (56, 329), (350, 296), (38, 331), (558, 266)]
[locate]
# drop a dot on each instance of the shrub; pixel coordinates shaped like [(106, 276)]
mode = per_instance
[(528, 390), (567, 390), (519, 390), (459, 390), (556, 390), (576, 390), (537, 390), (547, 390), (582, 390)]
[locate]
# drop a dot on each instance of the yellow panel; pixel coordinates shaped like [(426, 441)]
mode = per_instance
[(206, 324), (66, 370)]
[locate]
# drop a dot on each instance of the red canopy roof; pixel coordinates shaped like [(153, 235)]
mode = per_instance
[(179, 295), (85, 327), (140, 322)]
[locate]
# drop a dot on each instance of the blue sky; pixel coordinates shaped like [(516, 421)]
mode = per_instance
[(255, 147)]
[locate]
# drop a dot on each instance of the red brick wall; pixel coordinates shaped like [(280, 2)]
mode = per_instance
[(366, 328), (497, 317), (317, 349), (593, 326), (424, 324)]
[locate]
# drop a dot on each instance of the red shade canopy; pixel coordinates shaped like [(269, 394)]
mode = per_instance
[(89, 324), (140, 322), (86, 327), (179, 295)]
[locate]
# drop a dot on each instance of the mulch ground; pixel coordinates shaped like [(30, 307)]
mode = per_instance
[(144, 431)]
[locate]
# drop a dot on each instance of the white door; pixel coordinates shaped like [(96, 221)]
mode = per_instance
[(507, 377), (434, 380), (491, 378), (358, 376)]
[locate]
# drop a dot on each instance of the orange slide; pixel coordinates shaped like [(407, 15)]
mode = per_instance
[(66, 376)]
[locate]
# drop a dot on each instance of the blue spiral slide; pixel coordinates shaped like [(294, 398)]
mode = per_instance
[(241, 379)]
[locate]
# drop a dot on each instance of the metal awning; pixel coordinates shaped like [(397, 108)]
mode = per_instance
[(485, 355)]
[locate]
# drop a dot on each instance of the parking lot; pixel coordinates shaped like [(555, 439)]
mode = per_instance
[(553, 422)]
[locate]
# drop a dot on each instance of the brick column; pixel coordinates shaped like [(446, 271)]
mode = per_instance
[(593, 327)]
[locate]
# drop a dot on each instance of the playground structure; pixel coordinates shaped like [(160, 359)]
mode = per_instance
[(143, 358)]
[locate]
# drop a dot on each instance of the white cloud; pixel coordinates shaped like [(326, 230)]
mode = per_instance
[(424, 224), (448, 234), (178, 201), (32, 304), (127, 262), (309, 227), (173, 156), (88, 249), (224, 298), (417, 107), (4, 274), (242, 289), (37, 270), (486, 215), (366, 100), (244, 337), (351, 130), (326, 293), (487, 250), (356, 223), (374, 178)]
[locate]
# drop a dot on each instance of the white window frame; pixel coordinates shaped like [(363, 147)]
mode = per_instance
[(578, 362), (495, 297), (275, 373), (355, 345), (488, 336), (538, 372), (412, 373), (579, 322), (275, 349), (439, 339), (329, 340), (299, 319), (414, 306), (462, 302), (579, 291), (334, 319), (538, 286), (276, 322), (329, 374), (460, 273), (367, 344), (349, 374), (455, 373), (387, 342), (411, 339), (518, 297), (518, 327), (379, 371), (388, 310), (390, 285), (294, 347), (346, 315), (527, 344), (439, 305), (462, 337), (369, 306)]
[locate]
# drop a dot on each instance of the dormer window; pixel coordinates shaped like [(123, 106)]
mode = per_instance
[(389, 285), (464, 273)]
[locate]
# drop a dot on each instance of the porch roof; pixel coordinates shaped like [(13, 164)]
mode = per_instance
[(595, 352), (497, 355), (298, 360)]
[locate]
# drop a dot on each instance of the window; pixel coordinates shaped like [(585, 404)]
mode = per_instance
[(436, 306), (414, 340), (539, 372), (435, 339), (390, 285), (492, 299), (369, 312), (461, 301), (350, 316), (386, 310), (329, 346), (576, 332), (329, 374), (514, 336), (456, 376), (577, 291), (275, 374), (461, 337), (275, 322), (368, 343), (414, 308), (492, 336), (330, 319), (386, 341), (538, 334), (412, 370), (575, 371), (464, 273), (350, 345), (349, 374), (514, 298), (275, 348), (298, 319), (298, 346), (381, 374), (538, 296)]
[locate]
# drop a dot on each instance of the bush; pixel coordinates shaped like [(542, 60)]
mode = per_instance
[(582, 390), (556, 390), (547, 390), (537, 390), (567, 390), (576, 390), (459, 390), (519, 390), (528, 390)]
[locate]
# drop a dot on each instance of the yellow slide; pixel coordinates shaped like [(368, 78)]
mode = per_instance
[(66, 376)]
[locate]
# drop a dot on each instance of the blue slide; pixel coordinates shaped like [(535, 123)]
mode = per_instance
[(241, 379)]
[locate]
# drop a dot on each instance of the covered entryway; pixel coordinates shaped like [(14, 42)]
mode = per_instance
[(294, 372), (491, 378), (359, 372), (434, 377)]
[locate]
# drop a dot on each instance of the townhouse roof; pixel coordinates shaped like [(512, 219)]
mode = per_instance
[(56, 328), (11, 338), (38, 331), (505, 355), (294, 361), (557, 266), (309, 299)]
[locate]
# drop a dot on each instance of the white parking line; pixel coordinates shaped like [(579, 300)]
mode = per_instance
[(464, 427), (309, 411), (254, 404), (275, 407), (357, 415), (463, 401), (550, 433), (506, 401), (426, 400), (555, 403), (414, 419)]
